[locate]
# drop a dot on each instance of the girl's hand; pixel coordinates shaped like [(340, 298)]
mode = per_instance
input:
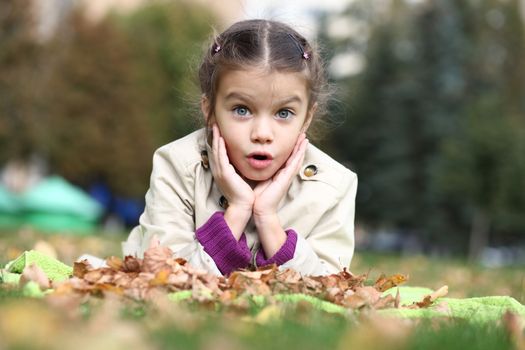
[(239, 194), (269, 193)]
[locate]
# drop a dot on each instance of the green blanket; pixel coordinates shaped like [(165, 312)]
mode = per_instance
[(54, 269), (478, 310)]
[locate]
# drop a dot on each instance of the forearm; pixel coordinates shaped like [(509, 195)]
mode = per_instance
[(271, 234), (237, 218)]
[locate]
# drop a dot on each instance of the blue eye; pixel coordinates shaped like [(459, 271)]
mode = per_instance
[(241, 111), (284, 114)]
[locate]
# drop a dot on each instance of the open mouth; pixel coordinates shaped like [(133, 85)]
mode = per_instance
[(260, 160)]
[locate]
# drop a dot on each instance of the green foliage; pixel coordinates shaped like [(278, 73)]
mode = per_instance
[(166, 39), (20, 56), (99, 127), (435, 120), (98, 97)]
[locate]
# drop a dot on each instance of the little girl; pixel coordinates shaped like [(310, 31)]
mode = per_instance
[(248, 189)]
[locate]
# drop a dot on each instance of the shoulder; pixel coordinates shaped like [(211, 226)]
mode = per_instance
[(319, 168), (183, 152)]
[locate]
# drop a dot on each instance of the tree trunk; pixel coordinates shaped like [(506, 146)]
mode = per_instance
[(479, 235)]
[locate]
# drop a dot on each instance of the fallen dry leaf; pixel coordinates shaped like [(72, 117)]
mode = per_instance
[(35, 274), (160, 272), (384, 283), (429, 299), (515, 326)]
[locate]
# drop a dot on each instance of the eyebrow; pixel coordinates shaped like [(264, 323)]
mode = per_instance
[(236, 95)]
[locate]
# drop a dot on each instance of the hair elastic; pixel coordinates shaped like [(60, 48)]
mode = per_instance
[(216, 48), (304, 54)]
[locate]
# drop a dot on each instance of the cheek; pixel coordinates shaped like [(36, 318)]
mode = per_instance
[(286, 148), (233, 147)]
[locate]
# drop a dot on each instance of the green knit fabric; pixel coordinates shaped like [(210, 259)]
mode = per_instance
[(54, 269), (476, 310)]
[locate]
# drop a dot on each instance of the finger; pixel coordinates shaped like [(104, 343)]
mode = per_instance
[(215, 142), (298, 143), (297, 151), (297, 160), (215, 151), (224, 161), (302, 153), (300, 139)]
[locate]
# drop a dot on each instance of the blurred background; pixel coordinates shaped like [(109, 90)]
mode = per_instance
[(428, 110)]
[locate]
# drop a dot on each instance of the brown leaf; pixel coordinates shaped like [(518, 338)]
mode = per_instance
[(123, 279), (35, 274), (80, 268), (384, 283), (430, 298), (180, 280), (93, 276), (289, 276), (131, 264), (363, 296), (387, 301), (514, 325), (114, 263), (441, 292), (161, 278), (155, 259), (312, 285)]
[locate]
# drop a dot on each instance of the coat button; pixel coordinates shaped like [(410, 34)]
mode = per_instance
[(204, 160), (310, 170), (223, 202)]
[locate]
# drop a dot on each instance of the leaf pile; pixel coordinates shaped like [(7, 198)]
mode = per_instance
[(159, 271)]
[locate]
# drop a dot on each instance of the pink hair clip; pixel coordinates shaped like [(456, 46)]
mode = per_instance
[(306, 55), (217, 48)]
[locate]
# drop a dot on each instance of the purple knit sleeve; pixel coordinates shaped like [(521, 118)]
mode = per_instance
[(283, 255), (219, 242)]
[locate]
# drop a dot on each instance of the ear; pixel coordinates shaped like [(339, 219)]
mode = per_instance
[(309, 116), (205, 108)]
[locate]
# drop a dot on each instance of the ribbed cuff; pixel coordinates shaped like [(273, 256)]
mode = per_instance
[(219, 242), (284, 254)]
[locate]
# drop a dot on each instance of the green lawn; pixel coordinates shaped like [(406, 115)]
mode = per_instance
[(65, 323)]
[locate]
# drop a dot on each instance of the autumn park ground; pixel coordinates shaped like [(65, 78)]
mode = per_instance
[(116, 323)]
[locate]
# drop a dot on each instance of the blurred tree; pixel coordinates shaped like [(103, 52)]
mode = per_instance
[(166, 39), (19, 83), (119, 91), (97, 129), (490, 136), (99, 97), (434, 121)]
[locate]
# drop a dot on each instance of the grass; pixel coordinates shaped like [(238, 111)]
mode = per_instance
[(117, 324), (464, 280)]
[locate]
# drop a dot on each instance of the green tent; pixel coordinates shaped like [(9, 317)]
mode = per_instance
[(51, 205), (9, 208)]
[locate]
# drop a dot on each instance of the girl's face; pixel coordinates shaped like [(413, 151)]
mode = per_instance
[(260, 116)]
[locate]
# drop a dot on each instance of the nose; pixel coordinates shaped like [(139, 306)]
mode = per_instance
[(262, 130)]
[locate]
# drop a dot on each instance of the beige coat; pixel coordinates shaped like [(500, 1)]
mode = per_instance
[(182, 196)]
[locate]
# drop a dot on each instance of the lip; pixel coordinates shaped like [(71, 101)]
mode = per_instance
[(259, 163)]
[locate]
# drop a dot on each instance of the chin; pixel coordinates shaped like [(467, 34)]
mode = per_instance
[(259, 176)]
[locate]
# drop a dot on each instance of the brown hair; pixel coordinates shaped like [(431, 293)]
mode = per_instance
[(263, 43)]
